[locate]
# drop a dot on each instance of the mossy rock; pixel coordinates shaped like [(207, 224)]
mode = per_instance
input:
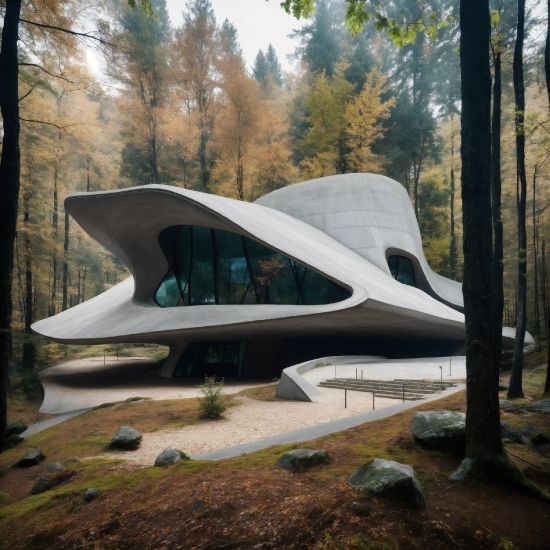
[(300, 459)]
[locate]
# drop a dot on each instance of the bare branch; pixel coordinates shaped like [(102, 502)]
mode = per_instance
[(26, 95), (53, 123), (48, 72), (68, 31)]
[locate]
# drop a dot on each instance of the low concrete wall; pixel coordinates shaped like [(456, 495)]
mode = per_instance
[(294, 386)]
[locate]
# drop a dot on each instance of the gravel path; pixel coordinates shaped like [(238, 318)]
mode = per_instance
[(251, 421)]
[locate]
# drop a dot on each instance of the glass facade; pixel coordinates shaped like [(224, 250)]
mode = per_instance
[(211, 266), (402, 270), (220, 359)]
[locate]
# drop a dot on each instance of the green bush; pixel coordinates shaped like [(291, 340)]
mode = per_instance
[(213, 402)]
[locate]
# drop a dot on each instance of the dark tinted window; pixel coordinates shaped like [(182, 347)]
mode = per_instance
[(211, 266), (402, 270)]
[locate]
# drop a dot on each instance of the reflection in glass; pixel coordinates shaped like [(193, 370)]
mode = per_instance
[(211, 266), (402, 270)]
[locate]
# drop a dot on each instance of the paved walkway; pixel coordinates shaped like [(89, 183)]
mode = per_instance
[(320, 430)]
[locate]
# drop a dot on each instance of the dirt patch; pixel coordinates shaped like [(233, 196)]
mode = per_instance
[(244, 503)]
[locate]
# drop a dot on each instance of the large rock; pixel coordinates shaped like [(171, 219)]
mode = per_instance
[(169, 456), (534, 436), (126, 438), (31, 459), (443, 430), (389, 479), (41, 486), (15, 428), (299, 459), (509, 433), (540, 406)]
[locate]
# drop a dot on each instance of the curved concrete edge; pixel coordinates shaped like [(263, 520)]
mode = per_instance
[(314, 432), (295, 387)]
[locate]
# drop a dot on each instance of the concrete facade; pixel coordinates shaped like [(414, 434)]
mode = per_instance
[(342, 227)]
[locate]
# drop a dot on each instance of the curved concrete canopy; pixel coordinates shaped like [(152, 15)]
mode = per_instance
[(371, 215), (128, 222)]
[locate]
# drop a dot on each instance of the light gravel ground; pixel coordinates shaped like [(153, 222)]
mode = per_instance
[(88, 382), (251, 421)]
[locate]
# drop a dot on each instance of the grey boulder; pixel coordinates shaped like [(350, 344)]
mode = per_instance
[(505, 404), (91, 494), (126, 438), (540, 406), (31, 459), (54, 467), (169, 456), (15, 428), (41, 486), (443, 430), (509, 433), (299, 459), (534, 436), (389, 479)]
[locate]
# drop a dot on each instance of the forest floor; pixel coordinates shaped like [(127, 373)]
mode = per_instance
[(244, 503)]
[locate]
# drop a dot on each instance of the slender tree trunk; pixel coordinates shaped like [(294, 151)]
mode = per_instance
[(483, 442), (516, 389), (28, 265), (84, 285), (547, 315), (453, 253), (205, 173), (535, 260), (10, 167), (65, 261), (498, 254), (55, 224), (547, 53)]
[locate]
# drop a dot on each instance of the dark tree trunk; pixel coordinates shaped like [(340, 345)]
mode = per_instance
[(546, 307), (496, 187), (453, 253), (10, 167), (205, 173), (65, 261), (547, 53), (483, 440), (516, 389), (55, 224), (536, 262)]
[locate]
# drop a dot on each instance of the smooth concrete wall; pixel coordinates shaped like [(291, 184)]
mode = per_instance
[(369, 214)]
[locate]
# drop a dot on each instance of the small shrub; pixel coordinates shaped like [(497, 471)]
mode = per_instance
[(213, 402)]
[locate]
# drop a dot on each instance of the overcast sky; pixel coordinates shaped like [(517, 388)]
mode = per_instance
[(258, 23)]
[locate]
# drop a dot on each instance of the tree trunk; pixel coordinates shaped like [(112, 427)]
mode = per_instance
[(547, 317), (453, 253), (498, 254), (547, 53), (483, 441), (55, 223), (65, 261), (10, 167), (535, 260), (516, 389)]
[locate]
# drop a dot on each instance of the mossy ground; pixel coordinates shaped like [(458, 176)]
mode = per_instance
[(243, 502)]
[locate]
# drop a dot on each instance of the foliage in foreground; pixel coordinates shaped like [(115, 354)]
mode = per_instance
[(213, 403)]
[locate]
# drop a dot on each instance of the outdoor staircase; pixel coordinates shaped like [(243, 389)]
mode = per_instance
[(406, 390)]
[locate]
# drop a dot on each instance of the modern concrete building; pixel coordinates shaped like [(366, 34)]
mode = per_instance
[(327, 267)]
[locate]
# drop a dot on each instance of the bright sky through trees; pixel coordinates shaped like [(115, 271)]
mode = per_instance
[(258, 23)]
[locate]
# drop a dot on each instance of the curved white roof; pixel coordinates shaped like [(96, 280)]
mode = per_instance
[(128, 223), (342, 227), (369, 214)]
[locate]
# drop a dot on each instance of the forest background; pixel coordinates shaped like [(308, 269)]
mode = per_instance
[(180, 108)]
